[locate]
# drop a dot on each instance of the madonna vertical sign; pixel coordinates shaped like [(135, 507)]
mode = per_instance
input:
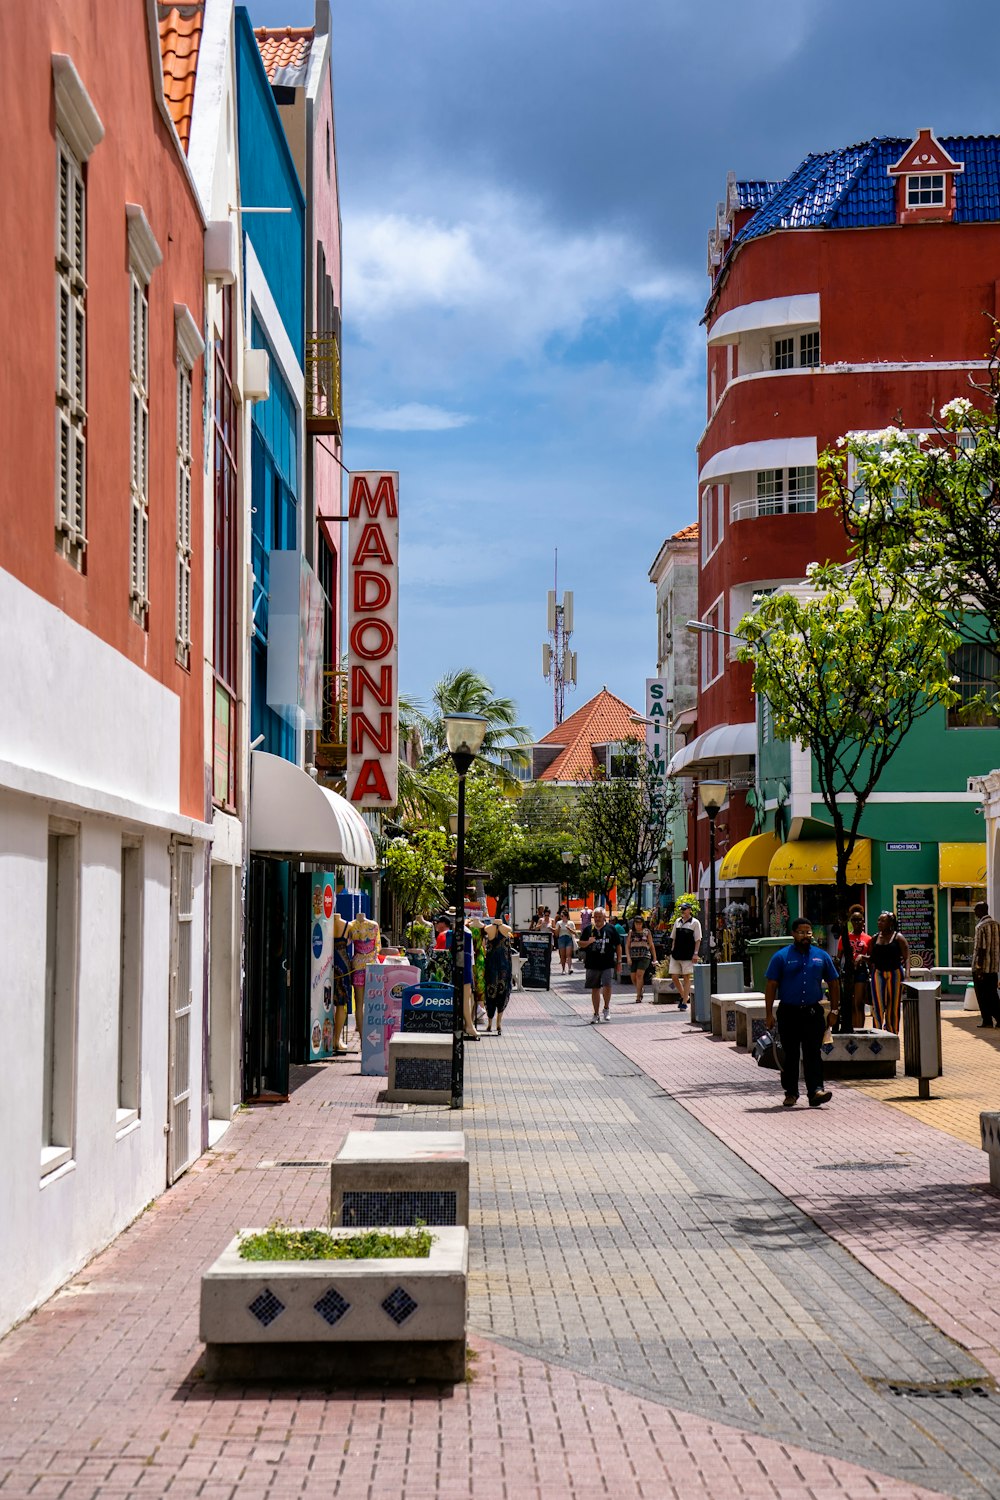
[(372, 644)]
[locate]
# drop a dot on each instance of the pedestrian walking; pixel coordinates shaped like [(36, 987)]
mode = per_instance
[(890, 960), (639, 953), (795, 976), (498, 974), (985, 964), (602, 951), (565, 939), (861, 943), (685, 940)]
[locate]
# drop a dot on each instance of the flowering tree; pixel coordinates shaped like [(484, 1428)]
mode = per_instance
[(924, 506), (848, 663), (623, 822), (414, 871)]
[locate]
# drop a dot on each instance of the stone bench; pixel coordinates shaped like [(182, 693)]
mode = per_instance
[(724, 1012), (861, 1054), (750, 1023), (419, 1068), (989, 1130), (395, 1177)]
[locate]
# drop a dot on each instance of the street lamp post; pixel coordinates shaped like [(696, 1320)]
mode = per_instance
[(713, 795), (464, 734)]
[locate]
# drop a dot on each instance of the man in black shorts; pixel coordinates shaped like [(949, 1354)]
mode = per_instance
[(602, 957)]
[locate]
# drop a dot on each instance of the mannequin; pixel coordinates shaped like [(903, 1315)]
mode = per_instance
[(468, 991), (341, 986), (365, 937), (498, 974)]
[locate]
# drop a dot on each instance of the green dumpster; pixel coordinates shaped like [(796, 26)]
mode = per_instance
[(761, 952)]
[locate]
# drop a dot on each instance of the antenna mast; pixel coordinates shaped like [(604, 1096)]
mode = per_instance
[(558, 661)]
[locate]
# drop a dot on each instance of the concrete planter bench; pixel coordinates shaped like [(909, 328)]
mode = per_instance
[(749, 1023), (724, 1012), (395, 1177), (861, 1054), (419, 1068), (664, 991), (989, 1130), (337, 1320)]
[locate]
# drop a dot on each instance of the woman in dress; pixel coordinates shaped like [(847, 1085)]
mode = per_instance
[(565, 938), (638, 953), (498, 974), (890, 963), (860, 950)]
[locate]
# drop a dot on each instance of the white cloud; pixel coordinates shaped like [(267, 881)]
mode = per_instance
[(411, 416), (498, 267)]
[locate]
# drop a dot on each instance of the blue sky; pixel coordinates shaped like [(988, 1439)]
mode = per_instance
[(526, 191)]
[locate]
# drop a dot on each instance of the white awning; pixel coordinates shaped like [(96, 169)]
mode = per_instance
[(773, 453), (724, 742), (774, 312), (293, 817)]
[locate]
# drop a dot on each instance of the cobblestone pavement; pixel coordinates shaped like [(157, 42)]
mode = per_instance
[(971, 1080), (649, 1316)]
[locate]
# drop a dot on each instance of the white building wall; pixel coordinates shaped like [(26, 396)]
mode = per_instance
[(91, 740)]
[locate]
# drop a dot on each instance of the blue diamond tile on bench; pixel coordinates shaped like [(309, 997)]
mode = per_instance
[(266, 1307), (331, 1306), (399, 1305)]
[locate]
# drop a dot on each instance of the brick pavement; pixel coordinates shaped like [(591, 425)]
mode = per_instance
[(971, 1080), (101, 1396)]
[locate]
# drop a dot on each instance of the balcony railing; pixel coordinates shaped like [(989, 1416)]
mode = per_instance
[(331, 737), (323, 412), (749, 510)]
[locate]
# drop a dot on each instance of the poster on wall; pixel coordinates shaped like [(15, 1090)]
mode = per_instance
[(372, 638), (321, 967), (384, 986), (916, 913)]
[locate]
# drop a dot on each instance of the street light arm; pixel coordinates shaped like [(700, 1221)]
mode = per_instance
[(702, 627)]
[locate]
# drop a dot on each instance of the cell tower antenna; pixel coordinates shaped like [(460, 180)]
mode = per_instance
[(558, 661)]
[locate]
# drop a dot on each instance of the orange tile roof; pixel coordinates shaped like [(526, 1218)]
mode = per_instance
[(603, 720), (284, 47), (180, 37), (685, 533)]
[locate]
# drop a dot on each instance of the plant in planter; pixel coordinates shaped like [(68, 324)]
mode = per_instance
[(662, 982), (337, 1304)]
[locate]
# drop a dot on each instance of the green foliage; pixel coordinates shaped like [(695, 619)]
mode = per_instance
[(923, 506), (535, 859), (687, 898), (413, 868), (848, 661), (279, 1242), (491, 826), (469, 692), (419, 935), (550, 809), (623, 823)]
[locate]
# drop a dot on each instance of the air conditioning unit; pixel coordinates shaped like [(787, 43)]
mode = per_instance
[(256, 375), (221, 251)]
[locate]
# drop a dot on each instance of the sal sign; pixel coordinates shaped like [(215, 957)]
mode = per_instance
[(372, 639)]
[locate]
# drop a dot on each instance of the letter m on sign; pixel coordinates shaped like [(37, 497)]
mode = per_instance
[(361, 495)]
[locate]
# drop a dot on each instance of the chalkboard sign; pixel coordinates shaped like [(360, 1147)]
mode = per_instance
[(537, 948), (916, 913)]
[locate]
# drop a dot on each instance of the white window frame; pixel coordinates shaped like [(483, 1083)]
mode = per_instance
[(79, 132), (795, 338), (62, 963), (130, 943), (781, 501), (144, 256), (713, 641), (926, 182), (71, 356), (712, 520)]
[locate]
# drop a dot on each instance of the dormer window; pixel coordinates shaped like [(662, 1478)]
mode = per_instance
[(921, 192), (926, 177)]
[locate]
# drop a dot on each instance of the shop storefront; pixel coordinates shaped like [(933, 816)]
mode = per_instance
[(962, 879), (807, 870)]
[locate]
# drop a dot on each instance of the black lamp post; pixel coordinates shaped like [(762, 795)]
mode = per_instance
[(464, 734), (713, 795)]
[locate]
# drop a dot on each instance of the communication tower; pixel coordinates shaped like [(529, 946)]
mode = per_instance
[(558, 661)]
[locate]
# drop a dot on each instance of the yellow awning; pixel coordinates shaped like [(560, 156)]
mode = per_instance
[(962, 864), (750, 859), (814, 862)]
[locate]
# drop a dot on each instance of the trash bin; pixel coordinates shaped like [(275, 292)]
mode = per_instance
[(730, 982), (761, 951), (922, 1032)]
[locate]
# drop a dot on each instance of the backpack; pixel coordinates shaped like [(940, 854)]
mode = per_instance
[(683, 946)]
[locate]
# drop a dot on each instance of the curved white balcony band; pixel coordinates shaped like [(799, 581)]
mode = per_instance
[(293, 817), (723, 743), (799, 311), (772, 453)]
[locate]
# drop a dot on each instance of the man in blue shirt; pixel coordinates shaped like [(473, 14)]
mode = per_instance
[(796, 975)]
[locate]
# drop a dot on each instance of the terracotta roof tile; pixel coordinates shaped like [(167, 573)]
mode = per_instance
[(686, 533), (284, 51), (180, 37), (601, 721)]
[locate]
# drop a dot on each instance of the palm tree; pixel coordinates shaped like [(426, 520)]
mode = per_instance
[(468, 692)]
